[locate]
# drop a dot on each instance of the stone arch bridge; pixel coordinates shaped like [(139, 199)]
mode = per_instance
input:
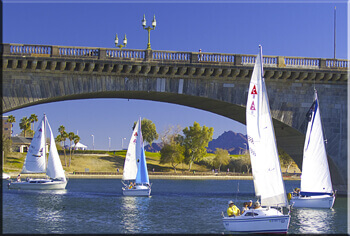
[(215, 82)]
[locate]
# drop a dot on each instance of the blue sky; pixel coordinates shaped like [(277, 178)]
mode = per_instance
[(285, 28)]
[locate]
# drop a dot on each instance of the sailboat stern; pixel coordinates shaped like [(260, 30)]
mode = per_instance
[(316, 201)]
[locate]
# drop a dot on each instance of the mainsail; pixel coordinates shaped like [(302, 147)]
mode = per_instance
[(35, 161), (266, 168), (130, 165), (315, 176), (54, 167)]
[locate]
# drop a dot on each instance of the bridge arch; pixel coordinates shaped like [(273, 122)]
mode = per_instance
[(215, 87)]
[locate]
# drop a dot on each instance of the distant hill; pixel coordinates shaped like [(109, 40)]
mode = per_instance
[(155, 147), (229, 140)]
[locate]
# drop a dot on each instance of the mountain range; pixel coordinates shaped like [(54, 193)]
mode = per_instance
[(234, 143)]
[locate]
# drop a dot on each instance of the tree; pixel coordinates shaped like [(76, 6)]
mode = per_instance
[(64, 135), (58, 140), (71, 136), (11, 119), (222, 157), (245, 161), (285, 159), (76, 141), (24, 125), (172, 151), (33, 118), (195, 142), (148, 129), (170, 134)]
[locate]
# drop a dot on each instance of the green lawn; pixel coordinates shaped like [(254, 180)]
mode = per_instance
[(109, 162)]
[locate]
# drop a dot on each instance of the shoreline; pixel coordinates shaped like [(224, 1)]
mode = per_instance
[(153, 176)]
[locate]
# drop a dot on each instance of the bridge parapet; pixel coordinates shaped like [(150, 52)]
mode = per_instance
[(164, 56)]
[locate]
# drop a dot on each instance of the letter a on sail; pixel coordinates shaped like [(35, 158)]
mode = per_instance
[(254, 90)]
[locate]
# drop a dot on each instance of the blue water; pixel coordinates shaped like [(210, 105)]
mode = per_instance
[(97, 206)]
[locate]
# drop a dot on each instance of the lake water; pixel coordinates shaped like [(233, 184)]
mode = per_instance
[(96, 206)]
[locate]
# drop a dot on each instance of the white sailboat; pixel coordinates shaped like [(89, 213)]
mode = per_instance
[(267, 175), (35, 162), (135, 166), (316, 186)]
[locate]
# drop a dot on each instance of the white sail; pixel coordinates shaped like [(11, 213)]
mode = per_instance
[(268, 181), (315, 176), (35, 161), (54, 167), (130, 165)]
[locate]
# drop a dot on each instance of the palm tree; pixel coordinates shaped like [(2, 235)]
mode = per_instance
[(11, 119), (64, 135), (75, 140), (33, 118), (24, 125), (71, 139)]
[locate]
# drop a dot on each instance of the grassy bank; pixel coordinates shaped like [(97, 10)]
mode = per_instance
[(111, 161)]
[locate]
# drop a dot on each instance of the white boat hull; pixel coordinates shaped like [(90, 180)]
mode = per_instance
[(139, 190), (38, 184), (268, 221), (322, 201), (5, 176)]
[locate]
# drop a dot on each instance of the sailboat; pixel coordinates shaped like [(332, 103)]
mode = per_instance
[(266, 170), (135, 166), (316, 186), (35, 162)]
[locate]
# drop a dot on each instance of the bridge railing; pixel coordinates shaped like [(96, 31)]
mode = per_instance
[(169, 56)]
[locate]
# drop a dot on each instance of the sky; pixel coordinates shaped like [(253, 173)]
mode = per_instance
[(283, 28)]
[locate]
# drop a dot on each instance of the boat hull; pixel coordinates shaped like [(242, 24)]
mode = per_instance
[(263, 223), (5, 176), (323, 201), (38, 184), (137, 191)]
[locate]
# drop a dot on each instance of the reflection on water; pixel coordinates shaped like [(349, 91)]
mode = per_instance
[(135, 214), (97, 206), (313, 220), (316, 221), (49, 211)]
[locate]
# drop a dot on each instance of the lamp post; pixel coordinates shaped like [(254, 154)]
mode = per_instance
[(125, 41), (154, 23), (93, 142), (123, 142), (109, 145)]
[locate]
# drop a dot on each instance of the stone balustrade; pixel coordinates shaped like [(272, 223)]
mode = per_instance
[(171, 56)]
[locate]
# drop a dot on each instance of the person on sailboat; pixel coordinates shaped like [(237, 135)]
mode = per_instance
[(232, 209), (296, 191), (257, 205), (245, 207), (18, 178), (250, 203)]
